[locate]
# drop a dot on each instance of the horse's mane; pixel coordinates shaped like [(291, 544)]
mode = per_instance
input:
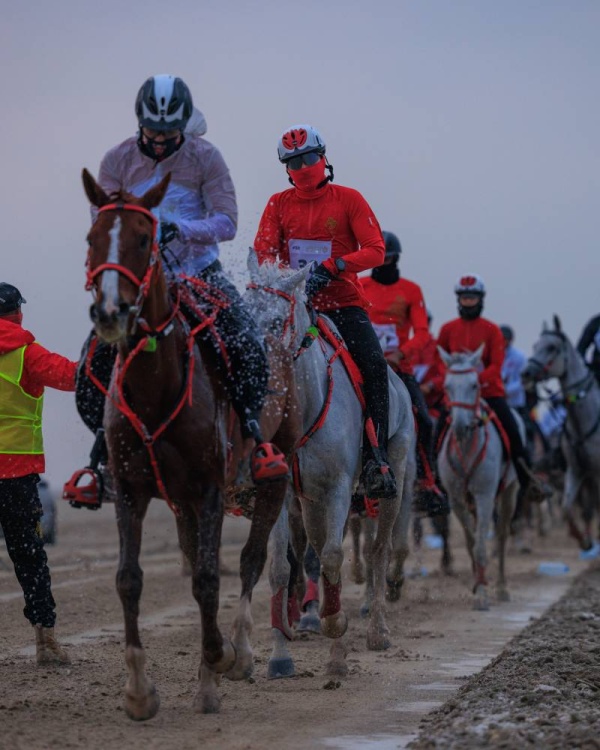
[(271, 273)]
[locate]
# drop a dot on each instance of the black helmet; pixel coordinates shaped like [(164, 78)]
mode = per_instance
[(508, 333), (163, 103), (11, 298), (393, 248)]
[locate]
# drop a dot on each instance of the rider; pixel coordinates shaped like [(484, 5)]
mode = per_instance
[(397, 309), (26, 368), (516, 397), (467, 333), (589, 336), (334, 225), (198, 211)]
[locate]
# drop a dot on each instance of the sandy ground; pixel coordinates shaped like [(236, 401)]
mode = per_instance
[(438, 643)]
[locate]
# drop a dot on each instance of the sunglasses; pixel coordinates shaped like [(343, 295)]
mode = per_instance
[(309, 160)]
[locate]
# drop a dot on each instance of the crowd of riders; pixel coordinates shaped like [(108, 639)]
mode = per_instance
[(381, 317)]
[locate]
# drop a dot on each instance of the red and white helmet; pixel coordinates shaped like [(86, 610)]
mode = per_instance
[(470, 284), (298, 140)]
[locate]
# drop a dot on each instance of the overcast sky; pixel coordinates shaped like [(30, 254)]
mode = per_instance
[(471, 128)]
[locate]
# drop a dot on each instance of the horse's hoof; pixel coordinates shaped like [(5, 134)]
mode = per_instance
[(142, 708), (365, 610), (279, 668), (393, 590), (358, 574), (227, 662), (378, 641), (502, 595), (334, 626), (240, 671), (481, 601), (309, 623), (207, 704)]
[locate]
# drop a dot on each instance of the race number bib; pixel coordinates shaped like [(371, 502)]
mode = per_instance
[(303, 252), (388, 337)]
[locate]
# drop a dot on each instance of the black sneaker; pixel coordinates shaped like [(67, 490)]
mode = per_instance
[(357, 505), (378, 480)]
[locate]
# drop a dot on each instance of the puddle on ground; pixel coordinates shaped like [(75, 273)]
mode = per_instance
[(467, 666), (434, 686), (374, 742), (416, 706)]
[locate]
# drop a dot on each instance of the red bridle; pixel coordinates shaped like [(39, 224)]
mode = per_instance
[(142, 285), (462, 404)]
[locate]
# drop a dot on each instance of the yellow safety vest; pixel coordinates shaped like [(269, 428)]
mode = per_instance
[(20, 413)]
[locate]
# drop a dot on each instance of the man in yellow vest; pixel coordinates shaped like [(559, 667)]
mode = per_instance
[(26, 368)]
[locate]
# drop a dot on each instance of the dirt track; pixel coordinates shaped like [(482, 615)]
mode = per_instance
[(438, 641)]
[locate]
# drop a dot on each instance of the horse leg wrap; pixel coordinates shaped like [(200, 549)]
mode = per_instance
[(279, 618), (312, 593), (331, 597), (480, 577)]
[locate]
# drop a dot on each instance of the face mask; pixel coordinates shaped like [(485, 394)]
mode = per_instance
[(169, 146), (470, 313), (308, 178)]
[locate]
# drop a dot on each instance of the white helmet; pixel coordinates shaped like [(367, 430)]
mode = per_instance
[(298, 140), (470, 284), (163, 103)]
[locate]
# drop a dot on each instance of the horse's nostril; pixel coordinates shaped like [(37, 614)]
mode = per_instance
[(124, 308)]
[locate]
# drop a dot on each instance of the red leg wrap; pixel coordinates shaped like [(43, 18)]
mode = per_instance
[(277, 615), (331, 597), (312, 593)]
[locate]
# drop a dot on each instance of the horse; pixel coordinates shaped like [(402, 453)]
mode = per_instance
[(554, 356), (167, 422), (327, 467), (474, 471)]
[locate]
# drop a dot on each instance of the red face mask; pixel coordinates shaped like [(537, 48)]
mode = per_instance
[(308, 178)]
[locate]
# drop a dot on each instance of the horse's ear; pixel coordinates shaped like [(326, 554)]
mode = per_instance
[(154, 196), (477, 354), (445, 356), (252, 264), (557, 323), (96, 196), (290, 283), (544, 327)]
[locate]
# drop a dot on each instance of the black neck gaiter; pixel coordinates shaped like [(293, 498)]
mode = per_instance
[(388, 274)]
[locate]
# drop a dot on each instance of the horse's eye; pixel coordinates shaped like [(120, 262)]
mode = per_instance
[(551, 348), (144, 241)]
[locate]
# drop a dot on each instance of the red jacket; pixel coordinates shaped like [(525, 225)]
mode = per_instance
[(466, 336), (333, 213), (402, 304), (430, 372), (41, 369)]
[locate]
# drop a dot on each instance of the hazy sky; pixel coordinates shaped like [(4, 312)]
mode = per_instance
[(471, 128)]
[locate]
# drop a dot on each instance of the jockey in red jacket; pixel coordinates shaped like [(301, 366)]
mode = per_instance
[(399, 318), (430, 372), (467, 333), (335, 226)]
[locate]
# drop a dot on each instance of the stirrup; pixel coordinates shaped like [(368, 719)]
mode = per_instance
[(378, 480), (267, 464), (431, 501), (84, 495)]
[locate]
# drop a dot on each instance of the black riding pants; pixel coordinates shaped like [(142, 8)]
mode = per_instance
[(246, 382), (248, 374), (355, 328), (424, 425), (517, 448), (20, 513)]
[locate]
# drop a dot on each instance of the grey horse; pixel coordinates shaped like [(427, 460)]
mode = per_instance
[(475, 473), (328, 467), (554, 356)]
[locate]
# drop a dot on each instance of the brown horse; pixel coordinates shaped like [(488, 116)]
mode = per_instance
[(167, 428)]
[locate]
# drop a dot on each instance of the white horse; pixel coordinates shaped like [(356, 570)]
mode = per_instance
[(554, 356), (474, 471), (328, 467)]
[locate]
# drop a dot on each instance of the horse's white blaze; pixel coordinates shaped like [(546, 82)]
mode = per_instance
[(110, 279)]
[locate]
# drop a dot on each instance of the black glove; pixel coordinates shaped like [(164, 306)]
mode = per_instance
[(318, 280), (168, 232)]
